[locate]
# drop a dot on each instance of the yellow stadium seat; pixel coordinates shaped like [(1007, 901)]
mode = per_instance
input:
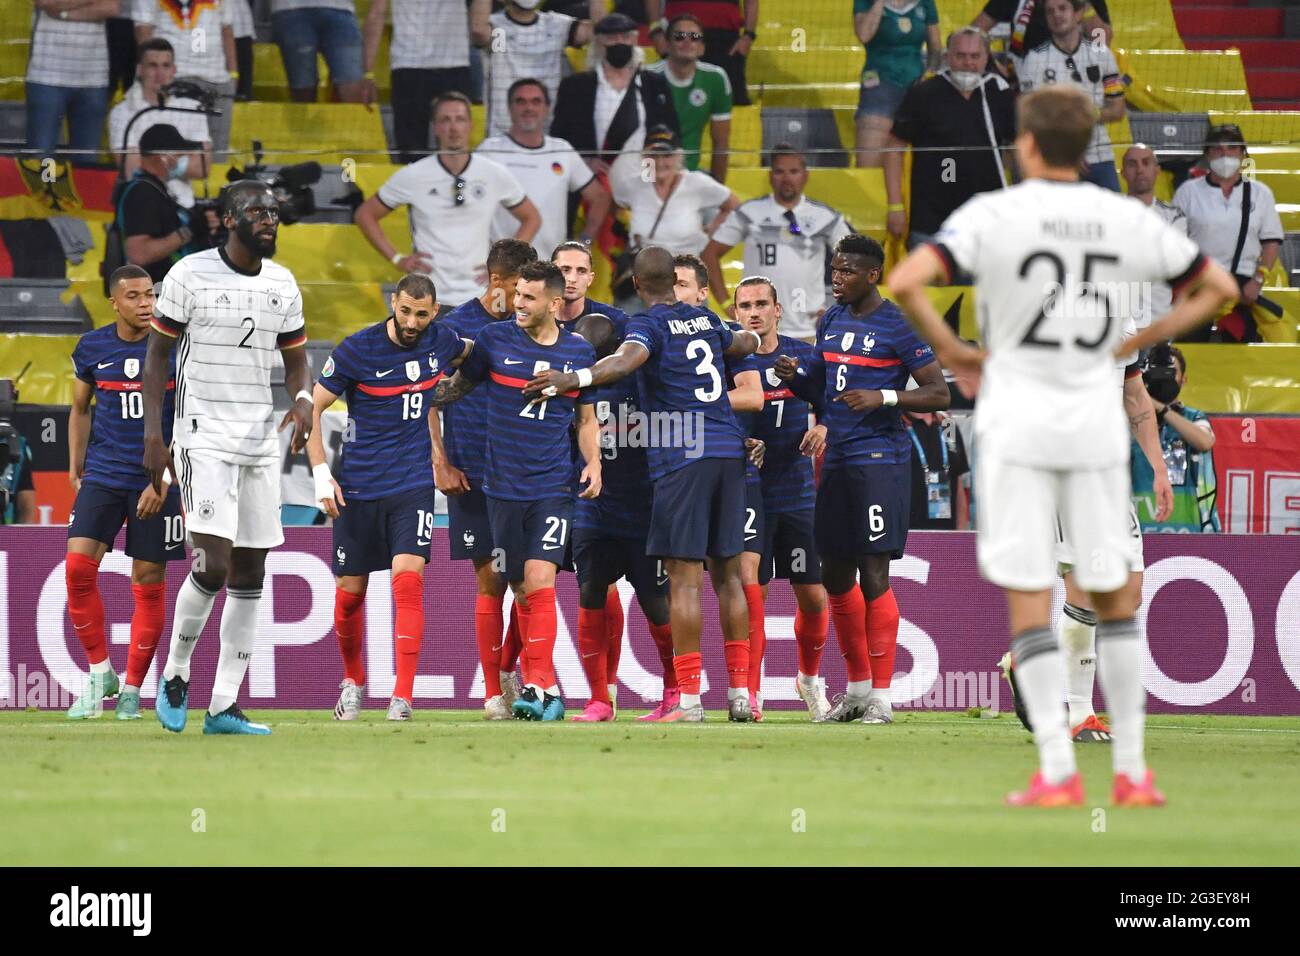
[(43, 361), (746, 138), (1184, 81), (294, 132)]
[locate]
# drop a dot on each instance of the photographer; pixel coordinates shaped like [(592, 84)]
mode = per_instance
[(156, 230), (17, 494), (1185, 441)]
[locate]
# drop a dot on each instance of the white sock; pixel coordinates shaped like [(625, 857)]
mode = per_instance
[(881, 696), (238, 633), (734, 692), (858, 688), (190, 616), (103, 667), (128, 689), (1119, 658), (1038, 674), (613, 693), (804, 679), (689, 700), (506, 677), (553, 690), (1077, 631)]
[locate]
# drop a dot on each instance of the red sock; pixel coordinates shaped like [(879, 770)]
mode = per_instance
[(488, 623), (850, 613), (514, 640), (882, 637), (350, 626), (408, 629), (810, 636), (146, 629), (663, 636), (757, 635), (539, 630), (592, 633), (84, 605), (687, 668), (613, 635), (737, 654)]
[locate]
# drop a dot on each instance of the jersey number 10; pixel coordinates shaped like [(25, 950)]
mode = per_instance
[(132, 404)]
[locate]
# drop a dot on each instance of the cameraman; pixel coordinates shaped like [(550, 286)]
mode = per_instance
[(1185, 440), (156, 230), (17, 494)]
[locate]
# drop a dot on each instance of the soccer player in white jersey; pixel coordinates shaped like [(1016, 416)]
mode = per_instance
[(1049, 421), (229, 309)]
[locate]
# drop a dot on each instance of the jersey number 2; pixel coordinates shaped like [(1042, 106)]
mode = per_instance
[(252, 327)]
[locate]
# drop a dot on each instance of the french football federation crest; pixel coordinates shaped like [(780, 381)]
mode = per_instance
[(773, 379), (131, 367), (433, 365), (868, 342), (413, 370), (846, 342)]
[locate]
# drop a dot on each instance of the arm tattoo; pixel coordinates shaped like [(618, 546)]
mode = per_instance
[(450, 389), (1135, 421)]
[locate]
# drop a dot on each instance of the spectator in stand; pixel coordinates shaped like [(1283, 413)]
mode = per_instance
[(452, 197), (594, 111), (677, 229), (1066, 58), (121, 51), (155, 229), (211, 64), (787, 237), (940, 473), (960, 121), (156, 68), (67, 75), (701, 94), (1140, 171), (1028, 20), (429, 58), (526, 43), (1234, 220), (241, 26), (893, 32), (547, 167), (304, 28), (1186, 440), (729, 34)]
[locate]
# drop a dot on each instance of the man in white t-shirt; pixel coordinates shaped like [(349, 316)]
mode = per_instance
[(67, 75), (428, 56), (1047, 256), (1140, 171), (527, 43), (547, 167), (451, 197), (787, 237), (155, 69), (203, 41)]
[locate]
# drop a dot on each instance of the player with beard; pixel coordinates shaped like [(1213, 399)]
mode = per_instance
[(383, 502), (230, 308)]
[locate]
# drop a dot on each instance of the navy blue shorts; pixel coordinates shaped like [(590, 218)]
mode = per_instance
[(98, 514), (529, 531), (755, 517), (863, 509), (603, 559), (468, 527), (369, 534), (790, 548), (699, 511)]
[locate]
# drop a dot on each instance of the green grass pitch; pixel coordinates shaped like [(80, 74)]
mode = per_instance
[(451, 789)]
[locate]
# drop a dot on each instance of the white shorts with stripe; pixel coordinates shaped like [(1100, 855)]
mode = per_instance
[(1136, 557), (240, 503)]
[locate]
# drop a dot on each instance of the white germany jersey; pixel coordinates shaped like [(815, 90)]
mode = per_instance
[(1054, 263), (548, 174), (230, 325), (521, 50)]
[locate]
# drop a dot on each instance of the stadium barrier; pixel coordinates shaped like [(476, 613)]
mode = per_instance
[(1221, 620)]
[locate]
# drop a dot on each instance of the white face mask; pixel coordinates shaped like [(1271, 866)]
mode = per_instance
[(965, 80), (181, 168), (1225, 167), (528, 4)]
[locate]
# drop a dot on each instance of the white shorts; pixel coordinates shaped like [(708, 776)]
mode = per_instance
[(1136, 558), (1016, 517), (240, 503)]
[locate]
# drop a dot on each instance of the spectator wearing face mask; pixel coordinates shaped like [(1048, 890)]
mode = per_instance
[(155, 228), (527, 43), (959, 122)]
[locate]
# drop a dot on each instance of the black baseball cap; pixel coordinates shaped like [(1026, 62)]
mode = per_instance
[(165, 138), (661, 139), (616, 23), (1228, 133)]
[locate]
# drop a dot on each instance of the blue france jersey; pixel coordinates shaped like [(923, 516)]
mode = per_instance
[(876, 351), (748, 421), (787, 473), (683, 386), (384, 385), (463, 435), (622, 510), (528, 450), (116, 368), (617, 316)]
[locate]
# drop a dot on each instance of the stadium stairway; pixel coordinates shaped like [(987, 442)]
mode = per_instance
[(1267, 35)]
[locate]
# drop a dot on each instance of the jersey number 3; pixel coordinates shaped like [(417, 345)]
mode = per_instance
[(698, 348)]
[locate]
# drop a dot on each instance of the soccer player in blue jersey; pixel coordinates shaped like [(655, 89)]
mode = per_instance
[(864, 353), (383, 501), (104, 467), (528, 479), (459, 459), (696, 462), (573, 259), (788, 495)]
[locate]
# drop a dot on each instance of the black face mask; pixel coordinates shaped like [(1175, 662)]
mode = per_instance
[(618, 55)]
